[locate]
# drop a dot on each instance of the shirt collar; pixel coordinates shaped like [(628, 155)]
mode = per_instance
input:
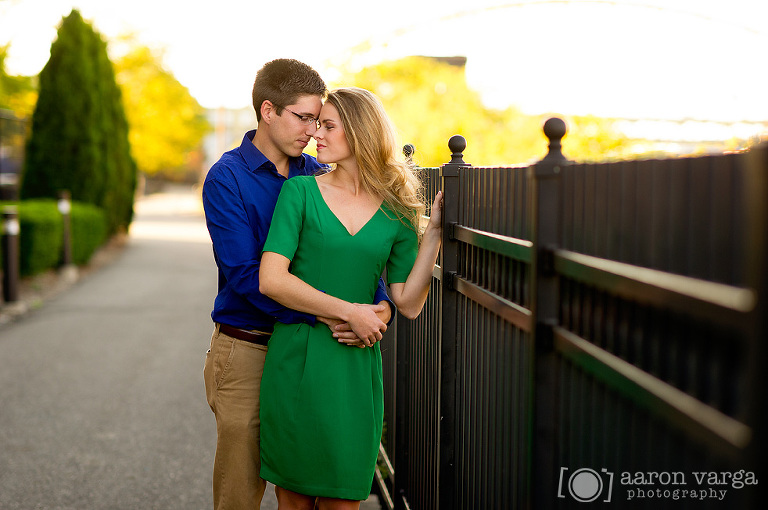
[(255, 159)]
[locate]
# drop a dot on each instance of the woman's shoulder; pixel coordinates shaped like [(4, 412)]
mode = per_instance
[(299, 182)]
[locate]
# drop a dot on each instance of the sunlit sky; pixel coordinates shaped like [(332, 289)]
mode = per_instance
[(660, 59)]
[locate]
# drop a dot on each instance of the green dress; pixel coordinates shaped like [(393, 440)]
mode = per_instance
[(322, 401)]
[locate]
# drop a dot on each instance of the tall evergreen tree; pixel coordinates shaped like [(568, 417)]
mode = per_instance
[(79, 139), (119, 167)]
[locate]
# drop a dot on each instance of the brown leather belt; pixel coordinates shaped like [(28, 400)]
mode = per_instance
[(253, 337)]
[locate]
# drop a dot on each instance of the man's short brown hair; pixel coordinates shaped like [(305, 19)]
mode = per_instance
[(283, 81)]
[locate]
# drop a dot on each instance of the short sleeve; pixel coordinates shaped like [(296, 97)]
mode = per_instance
[(288, 219), (403, 254)]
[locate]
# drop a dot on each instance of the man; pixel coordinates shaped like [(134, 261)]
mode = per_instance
[(239, 196)]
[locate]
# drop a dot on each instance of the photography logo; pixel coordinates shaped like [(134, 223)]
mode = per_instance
[(585, 485)]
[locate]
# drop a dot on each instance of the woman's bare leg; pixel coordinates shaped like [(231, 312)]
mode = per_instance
[(289, 500), (337, 504)]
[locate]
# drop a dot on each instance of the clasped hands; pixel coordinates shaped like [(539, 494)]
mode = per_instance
[(364, 329)]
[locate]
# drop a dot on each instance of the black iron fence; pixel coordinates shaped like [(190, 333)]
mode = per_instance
[(594, 333)]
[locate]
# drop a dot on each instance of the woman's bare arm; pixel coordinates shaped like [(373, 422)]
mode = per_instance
[(276, 282), (409, 297)]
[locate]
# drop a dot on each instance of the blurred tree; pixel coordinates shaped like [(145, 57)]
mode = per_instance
[(167, 123), (594, 139), (17, 93), (429, 100), (79, 139)]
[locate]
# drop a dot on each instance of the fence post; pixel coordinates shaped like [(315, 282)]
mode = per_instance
[(10, 247), (756, 231), (545, 182), (449, 262)]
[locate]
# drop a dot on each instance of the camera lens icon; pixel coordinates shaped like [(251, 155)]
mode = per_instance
[(586, 485)]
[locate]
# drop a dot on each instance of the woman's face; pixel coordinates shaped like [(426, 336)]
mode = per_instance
[(332, 145)]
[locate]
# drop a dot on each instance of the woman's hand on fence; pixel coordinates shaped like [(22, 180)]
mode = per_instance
[(436, 213)]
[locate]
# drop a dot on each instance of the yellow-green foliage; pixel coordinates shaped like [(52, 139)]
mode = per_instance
[(166, 123), (17, 93), (429, 101)]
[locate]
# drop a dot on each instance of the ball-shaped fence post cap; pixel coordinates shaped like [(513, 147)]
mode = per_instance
[(457, 144), (555, 128), (408, 150)]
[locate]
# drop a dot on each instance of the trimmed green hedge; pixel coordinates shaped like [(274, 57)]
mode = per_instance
[(89, 231), (42, 234)]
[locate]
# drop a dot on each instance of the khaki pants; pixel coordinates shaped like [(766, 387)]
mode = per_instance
[(232, 372)]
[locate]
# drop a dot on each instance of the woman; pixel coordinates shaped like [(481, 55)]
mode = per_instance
[(321, 401)]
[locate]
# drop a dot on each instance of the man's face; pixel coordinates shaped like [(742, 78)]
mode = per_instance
[(293, 129)]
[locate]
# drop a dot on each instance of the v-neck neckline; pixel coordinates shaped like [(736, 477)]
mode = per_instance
[(341, 224)]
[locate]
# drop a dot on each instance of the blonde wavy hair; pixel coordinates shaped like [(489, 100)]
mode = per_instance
[(372, 140)]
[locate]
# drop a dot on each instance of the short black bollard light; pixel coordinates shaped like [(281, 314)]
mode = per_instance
[(65, 208), (10, 247)]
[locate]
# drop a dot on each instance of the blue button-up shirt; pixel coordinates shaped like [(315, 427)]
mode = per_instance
[(239, 197)]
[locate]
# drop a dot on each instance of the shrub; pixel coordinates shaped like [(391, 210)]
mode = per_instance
[(89, 231), (41, 236)]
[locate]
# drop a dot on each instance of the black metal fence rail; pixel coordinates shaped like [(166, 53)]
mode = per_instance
[(585, 323)]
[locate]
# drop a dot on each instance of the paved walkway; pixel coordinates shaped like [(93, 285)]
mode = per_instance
[(102, 403)]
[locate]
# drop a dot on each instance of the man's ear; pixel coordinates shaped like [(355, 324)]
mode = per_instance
[(268, 110)]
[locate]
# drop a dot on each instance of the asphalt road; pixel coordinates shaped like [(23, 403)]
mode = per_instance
[(102, 404), (102, 400)]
